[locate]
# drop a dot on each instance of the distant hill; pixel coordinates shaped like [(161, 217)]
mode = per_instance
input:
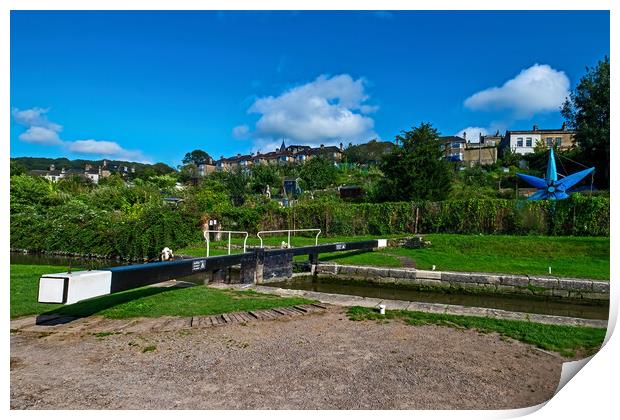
[(368, 153), (36, 163)]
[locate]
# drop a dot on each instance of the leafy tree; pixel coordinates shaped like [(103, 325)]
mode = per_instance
[(162, 169), (196, 157), (415, 169), (188, 172), (368, 153), (263, 175), (317, 173), (17, 168), (587, 111), (236, 183)]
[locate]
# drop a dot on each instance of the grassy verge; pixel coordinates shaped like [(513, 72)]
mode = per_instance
[(146, 302), (565, 340), (581, 257)]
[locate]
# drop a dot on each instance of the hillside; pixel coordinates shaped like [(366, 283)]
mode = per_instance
[(368, 153), (38, 163)]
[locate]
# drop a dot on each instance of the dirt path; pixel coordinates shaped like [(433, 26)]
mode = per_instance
[(317, 361)]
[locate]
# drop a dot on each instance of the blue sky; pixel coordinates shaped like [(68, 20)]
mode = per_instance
[(151, 86)]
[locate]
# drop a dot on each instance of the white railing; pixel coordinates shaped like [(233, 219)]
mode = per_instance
[(229, 232), (288, 231)]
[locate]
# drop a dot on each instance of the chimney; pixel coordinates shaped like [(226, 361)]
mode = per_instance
[(465, 135), (99, 170), (535, 127), (105, 163), (322, 146), (62, 170), (481, 138), (52, 167), (341, 148), (564, 126)]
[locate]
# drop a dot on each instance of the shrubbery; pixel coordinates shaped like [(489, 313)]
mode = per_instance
[(133, 222)]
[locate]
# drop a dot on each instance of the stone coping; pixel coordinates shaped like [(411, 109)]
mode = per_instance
[(440, 308), (588, 289)]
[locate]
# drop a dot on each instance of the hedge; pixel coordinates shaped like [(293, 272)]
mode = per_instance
[(578, 216), (77, 228)]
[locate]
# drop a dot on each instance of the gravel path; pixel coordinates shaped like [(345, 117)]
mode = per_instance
[(317, 361)]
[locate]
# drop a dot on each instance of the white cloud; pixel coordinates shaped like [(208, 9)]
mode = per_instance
[(539, 88), (34, 117), (326, 110), (39, 130), (103, 148), (40, 135), (473, 133), (241, 131)]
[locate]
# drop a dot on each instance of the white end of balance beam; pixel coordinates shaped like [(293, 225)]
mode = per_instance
[(381, 243), (73, 287)]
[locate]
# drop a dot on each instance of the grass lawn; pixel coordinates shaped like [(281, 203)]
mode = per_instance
[(581, 257), (146, 301), (562, 339)]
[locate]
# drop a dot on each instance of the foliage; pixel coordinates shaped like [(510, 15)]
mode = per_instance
[(317, 173), (263, 176), (415, 169), (368, 153), (588, 112), (196, 157)]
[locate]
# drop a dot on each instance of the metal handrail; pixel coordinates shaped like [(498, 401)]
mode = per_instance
[(230, 232), (316, 239)]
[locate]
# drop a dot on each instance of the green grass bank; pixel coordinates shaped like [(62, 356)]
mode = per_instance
[(568, 256), (143, 302)]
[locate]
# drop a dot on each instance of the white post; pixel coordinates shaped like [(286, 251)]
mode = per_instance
[(228, 243), (289, 238)]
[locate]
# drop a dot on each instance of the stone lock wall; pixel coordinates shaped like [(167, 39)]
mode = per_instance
[(594, 290)]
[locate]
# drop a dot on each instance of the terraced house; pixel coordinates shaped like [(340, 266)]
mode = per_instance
[(284, 155)]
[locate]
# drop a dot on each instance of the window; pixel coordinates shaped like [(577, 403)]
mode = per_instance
[(558, 141), (519, 141), (528, 142), (549, 141), (456, 145)]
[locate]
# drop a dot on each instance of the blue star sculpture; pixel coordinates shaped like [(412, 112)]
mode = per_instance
[(550, 188)]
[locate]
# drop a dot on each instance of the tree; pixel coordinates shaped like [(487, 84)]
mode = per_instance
[(415, 169), (197, 157), (317, 173), (587, 111), (17, 168), (263, 175)]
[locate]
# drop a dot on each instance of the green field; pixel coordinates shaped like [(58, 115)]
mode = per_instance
[(146, 301), (563, 339), (580, 257)]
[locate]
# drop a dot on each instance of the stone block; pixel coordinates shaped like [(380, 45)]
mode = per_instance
[(575, 284), (455, 277), (600, 286), (595, 296), (560, 293), (503, 288), (427, 274), (519, 281), (484, 278), (544, 282), (347, 269), (400, 273)]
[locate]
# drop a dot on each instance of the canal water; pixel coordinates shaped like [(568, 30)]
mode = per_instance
[(528, 304)]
